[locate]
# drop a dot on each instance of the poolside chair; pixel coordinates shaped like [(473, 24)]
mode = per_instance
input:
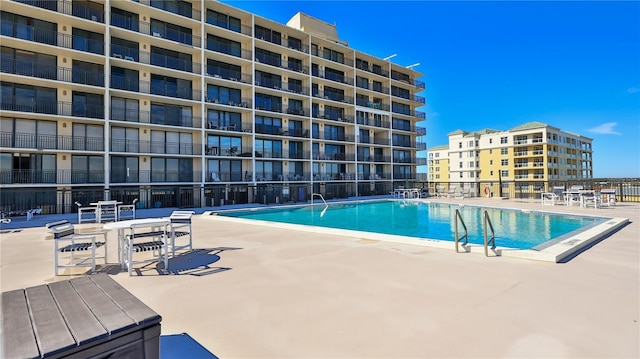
[(464, 193), (63, 231), (588, 198), (180, 227), (137, 241), (440, 191), (572, 196), (608, 196), (87, 213), (452, 191), (127, 211)]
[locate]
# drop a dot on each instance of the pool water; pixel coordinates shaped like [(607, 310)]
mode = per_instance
[(513, 228)]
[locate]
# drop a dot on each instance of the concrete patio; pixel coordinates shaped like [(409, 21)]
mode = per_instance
[(259, 292)]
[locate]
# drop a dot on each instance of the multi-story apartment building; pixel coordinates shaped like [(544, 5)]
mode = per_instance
[(523, 159), (194, 103)]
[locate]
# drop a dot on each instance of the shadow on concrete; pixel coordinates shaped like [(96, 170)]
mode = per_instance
[(573, 255)]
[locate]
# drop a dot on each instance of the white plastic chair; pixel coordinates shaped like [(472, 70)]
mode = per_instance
[(63, 231), (181, 227)]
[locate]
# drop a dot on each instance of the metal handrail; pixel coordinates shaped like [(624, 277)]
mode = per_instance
[(491, 241), (455, 226), (322, 198)]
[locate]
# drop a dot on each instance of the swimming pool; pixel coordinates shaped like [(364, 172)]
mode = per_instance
[(433, 222)]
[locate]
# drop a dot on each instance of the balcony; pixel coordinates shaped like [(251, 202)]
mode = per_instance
[(76, 9), (327, 95), (52, 107), (333, 77), (244, 102), (378, 70), (50, 177), (183, 38), (175, 9), (321, 156), (169, 62), (149, 147), (220, 73), (51, 142), (170, 90), (373, 122), (129, 115)]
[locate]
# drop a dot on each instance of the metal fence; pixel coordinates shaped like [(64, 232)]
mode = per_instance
[(17, 201)]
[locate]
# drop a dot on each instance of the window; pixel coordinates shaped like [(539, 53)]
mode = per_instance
[(125, 139), (459, 154), (224, 70), (171, 170), (334, 133), (22, 133), (333, 55), (504, 162), (125, 109), (377, 86), (490, 162), (459, 144), (173, 115), (504, 151), (88, 41), (28, 63), (268, 148), (461, 174), (124, 19), (460, 165), (170, 86), (334, 75), (268, 35), (124, 49), (268, 125), (90, 10), (27, 28), (88, 137), (223, 20), (170, 59), (125, 79), (268, 102), (491, 140), (333, 93), (400, 92), (124, 169), (362, 82), (223, 119), (269, 80), (504, 173), (223, 145), (399, 124), (294, 43), (171, 142), (171, 31), (173, 6), (87, 169), (503, 140), (491, 173), (295, 64), (268, 57), (87, 105), (88, 73), (225, 170), (269, 171), (225, 46)]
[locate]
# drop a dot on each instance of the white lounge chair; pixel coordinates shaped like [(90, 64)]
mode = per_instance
[(464, 193), (452, 191)]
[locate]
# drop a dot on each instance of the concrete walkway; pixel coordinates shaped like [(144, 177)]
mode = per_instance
[(259, 292)]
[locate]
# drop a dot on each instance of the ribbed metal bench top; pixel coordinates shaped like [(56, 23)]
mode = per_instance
[(92, 313)]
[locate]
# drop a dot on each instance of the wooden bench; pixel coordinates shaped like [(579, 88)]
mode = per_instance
[(91, 316)]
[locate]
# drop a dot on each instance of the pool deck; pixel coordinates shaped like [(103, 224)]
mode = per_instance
[(256, 292)]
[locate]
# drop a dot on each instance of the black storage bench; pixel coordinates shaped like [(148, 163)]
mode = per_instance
[(91, 316)]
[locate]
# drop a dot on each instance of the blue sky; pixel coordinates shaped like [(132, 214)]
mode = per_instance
[(573, 65)]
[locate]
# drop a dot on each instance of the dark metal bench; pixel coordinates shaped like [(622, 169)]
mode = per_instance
[(79, 318)]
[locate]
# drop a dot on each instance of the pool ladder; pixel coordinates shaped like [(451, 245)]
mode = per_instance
[(486, 225), (458, 216), (322, 198)]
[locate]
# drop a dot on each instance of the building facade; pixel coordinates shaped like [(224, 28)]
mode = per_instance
[(194, 103), (525, 159)]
